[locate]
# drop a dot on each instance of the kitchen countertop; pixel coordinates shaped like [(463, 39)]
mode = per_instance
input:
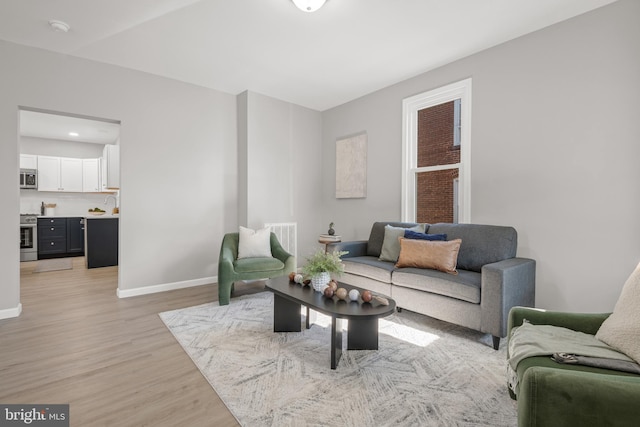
[(105, 216), (88, 216)]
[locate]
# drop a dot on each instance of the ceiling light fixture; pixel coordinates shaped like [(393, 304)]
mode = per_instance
[(74, 134), (308, 5), (59, 26)]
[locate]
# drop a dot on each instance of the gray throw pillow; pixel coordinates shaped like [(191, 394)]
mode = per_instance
[(391, 245)]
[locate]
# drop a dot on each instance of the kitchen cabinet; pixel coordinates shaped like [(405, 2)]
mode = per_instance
[(48, 173), (110, 164), (52, 237), (70, 174), (59, 174), (60, 237), (91, 176), (75, 236), (28, 161), (101, 242)]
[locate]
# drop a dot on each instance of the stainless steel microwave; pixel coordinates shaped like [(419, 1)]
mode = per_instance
[(29, 178)]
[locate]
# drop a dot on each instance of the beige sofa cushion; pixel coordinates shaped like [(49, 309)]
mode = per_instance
[(465, 286), (370, 267)]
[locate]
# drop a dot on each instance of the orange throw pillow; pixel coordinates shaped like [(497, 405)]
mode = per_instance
[(442, 256)]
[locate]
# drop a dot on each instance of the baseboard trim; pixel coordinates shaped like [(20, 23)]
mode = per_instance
[(8, 313), (127, 293)]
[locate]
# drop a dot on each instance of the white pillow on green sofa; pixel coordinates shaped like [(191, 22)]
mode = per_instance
[(621, 330)]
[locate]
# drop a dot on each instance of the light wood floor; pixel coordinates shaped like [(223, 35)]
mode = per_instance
[(111, 359)]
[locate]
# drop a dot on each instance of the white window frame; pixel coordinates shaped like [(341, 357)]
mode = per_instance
[(456, 186), (410, 107), (456, 122)]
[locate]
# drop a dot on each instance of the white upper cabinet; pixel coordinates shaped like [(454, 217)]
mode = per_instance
[(59, 174), (70, 174), (111, 167), (28, 161), (48, 173), (91, 176)]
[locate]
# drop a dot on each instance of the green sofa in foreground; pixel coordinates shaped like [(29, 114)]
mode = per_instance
[(554, 394), (231, 269)]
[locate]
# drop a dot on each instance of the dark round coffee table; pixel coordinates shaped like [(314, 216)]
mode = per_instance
[(363, 317)]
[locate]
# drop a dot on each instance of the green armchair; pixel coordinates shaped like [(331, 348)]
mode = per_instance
[(553, 394), (232, 269)]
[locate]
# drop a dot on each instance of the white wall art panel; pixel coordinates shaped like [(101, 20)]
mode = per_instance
[(351, 167)]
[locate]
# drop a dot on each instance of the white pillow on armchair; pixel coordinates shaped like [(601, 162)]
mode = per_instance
[(254, 243)]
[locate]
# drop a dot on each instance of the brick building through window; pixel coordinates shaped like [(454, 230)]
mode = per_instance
[(436, 155), (438, 143)]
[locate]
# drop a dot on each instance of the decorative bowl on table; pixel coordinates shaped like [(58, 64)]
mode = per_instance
[(96, 213)]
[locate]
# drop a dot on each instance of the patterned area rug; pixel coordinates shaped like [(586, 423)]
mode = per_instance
[(53, 265), (425, 373)]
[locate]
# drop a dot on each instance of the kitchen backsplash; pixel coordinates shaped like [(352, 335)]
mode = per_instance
[(67, 204)]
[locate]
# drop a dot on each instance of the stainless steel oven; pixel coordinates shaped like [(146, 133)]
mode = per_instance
[(28, 237)]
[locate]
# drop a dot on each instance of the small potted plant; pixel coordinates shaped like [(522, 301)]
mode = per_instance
[(320, 266)]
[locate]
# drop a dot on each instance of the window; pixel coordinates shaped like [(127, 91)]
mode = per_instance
[(436, 155), (456, 122)]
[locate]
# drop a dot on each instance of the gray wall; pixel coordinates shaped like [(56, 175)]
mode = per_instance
[(194, 163), (279, 147), (555, 145), (178, 163)]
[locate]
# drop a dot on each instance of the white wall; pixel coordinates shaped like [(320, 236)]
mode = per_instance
[(178, 163), (281, 147), (555, 146)]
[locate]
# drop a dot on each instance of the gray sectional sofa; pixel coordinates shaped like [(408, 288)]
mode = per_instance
[(489, 282)]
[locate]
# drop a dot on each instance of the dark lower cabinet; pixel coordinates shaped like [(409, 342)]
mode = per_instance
[(75, 236), (60, 237), (101, 242)]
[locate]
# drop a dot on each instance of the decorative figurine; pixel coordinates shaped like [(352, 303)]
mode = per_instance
[(381, 300), (331, 231)]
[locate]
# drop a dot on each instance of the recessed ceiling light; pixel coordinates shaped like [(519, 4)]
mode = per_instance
[(59, 26), (309, 5), (74, 134)]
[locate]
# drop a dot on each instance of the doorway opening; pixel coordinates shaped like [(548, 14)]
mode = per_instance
[(74, 160)]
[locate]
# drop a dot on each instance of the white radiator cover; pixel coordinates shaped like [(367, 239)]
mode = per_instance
[(287, 234)]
